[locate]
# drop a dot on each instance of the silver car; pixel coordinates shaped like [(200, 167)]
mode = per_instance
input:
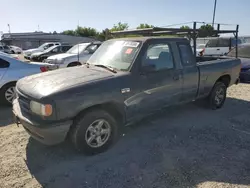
[(11, 70)]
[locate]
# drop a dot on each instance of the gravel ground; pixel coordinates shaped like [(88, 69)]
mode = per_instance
[(186, 146)]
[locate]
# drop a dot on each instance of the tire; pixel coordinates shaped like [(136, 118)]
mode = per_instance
[(86, 128), (6, 91), (217, 97)]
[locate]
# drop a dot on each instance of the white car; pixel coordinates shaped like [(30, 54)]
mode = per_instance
[(219, 46), (11, 70), (15, 49), (9, 55), (28, 53), (77, 55)]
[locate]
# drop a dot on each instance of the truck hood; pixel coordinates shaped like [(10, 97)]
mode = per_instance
[(45, 84), (61, 56)]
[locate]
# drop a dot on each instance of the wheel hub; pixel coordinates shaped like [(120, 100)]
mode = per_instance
[(98, 133)]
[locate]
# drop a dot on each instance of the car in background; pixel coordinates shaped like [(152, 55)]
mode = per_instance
[(27, 53), (5, 49), (15, 49), (15, 56), (40, 56), (219, 46), (77, 55), (244, 55), (11, 70)]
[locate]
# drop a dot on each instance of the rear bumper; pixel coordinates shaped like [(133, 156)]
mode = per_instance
[(50, 134)]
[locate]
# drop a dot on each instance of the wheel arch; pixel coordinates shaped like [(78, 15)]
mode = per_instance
[(226, 79), (74, 63)]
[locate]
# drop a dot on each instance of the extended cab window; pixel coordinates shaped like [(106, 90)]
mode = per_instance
[(4, 64), (159, 56), (187, 57)]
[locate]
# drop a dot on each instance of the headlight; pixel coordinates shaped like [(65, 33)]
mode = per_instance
[(41, 109)]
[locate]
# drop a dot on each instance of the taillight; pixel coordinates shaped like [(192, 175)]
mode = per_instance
[(43, 69)]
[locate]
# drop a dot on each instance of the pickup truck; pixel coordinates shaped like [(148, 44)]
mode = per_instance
[(125, 80)]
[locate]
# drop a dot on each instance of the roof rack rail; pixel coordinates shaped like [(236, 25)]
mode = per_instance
[(192, 33)]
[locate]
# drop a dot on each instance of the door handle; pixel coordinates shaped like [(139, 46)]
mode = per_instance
[(218, 49)]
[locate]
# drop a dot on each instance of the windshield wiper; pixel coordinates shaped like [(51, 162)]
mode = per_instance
[(106, 67)]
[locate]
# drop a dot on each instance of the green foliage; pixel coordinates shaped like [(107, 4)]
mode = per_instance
[(69, 32), (143, 26), (184, 27), (119, 27), (86, 32), (206, 31)]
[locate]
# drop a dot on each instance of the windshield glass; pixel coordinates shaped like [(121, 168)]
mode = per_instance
[(79, 48), (43, 46), (50, 48), (117, 54), (243, 51)]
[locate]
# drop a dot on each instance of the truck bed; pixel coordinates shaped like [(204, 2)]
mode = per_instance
[(212, 68)]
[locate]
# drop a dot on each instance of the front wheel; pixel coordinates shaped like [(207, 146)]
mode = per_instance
[(94, 132), (217, 96), (8, 93)]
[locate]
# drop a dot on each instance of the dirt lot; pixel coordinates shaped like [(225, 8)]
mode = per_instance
[(187, 146)]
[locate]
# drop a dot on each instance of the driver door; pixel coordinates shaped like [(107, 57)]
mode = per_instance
[(158, 86)]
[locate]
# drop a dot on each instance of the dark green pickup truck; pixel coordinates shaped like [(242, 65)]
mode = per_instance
[(124, 81)]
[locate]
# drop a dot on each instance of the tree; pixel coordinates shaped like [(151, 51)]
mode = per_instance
[(86, 32), (184, 27), (69, 32), (119, 27), (143, 26), (206, 31)]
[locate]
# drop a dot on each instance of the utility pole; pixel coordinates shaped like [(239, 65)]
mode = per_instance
[(9, 28), (215, 2)]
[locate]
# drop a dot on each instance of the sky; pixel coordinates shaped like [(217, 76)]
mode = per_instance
[(59, 15)]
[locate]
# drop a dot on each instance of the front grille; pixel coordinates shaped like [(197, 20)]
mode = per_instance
[(24, 103)]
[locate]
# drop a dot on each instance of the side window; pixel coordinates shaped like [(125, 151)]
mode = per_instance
[(212, 43), (159, 56), (223, 42), (49, 45), (4, 64), (92, 48), (186, 54), (65, 48)]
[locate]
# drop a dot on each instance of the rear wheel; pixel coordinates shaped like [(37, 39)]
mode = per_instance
[(8, 93), (217, 96), (94, 132)]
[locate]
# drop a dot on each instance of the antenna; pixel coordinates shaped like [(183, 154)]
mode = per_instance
[(38, 28), (78, 45)]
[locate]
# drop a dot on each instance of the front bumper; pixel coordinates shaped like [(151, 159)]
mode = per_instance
[(50, 134)]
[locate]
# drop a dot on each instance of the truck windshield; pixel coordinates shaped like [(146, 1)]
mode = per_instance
[(118, 54), (79, 48), (243, 51)]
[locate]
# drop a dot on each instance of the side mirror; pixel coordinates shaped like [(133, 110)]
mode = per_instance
[(148, 68)]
